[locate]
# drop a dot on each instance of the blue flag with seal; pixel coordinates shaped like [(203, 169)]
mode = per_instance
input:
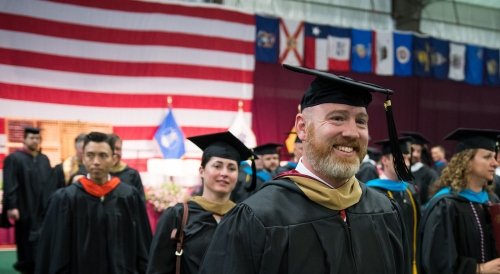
[(361, 51), (491, 64), (421, 56), (440, 51), (474, 65), (403, 45), (170, 137), (267, 39)]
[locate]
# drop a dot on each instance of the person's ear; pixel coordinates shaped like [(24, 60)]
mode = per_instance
[(300, 126)]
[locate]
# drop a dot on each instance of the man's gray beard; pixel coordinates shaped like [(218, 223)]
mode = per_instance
[(330, 167)]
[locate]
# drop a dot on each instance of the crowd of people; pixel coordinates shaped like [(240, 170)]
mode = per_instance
[(339, 206)]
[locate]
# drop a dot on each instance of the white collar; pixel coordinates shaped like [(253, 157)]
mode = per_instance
[(302, 169), (416, 166)]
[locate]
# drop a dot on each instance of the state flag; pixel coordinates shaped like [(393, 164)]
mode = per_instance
[(439, 58), (457, 62), (491, 66), (339, 49), (403, 46), (170, 137), (421, 56), (361, 51), (291, 42), (384, 53), (316, 46), (474, 65), (266, 39)]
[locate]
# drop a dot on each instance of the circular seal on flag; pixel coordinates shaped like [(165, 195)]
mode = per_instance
[(402, 54), (360, 50)]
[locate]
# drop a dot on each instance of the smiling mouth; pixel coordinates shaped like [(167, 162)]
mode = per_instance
[(345, 149)]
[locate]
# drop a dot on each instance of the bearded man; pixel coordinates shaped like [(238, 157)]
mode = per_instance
[(318, 218)]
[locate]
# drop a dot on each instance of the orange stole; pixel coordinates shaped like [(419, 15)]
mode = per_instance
[(97, 190)]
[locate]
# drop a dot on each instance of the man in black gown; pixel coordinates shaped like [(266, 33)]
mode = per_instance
[(25, 177), (317, 218), (424, 175), (96, 225)]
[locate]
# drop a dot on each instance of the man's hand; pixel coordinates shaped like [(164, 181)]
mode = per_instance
[(13, 214)]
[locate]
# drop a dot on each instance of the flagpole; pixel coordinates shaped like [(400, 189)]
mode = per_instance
[(240, 105), (169, 101)]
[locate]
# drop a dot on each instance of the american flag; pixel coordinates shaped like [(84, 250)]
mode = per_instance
[(115, 62)]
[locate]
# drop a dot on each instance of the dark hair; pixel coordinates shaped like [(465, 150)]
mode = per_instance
[(30, 130), (99, 137), (80, 138)]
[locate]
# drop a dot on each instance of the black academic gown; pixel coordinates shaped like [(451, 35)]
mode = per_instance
[(410, 210), (198, 233), (279, 230), (423, 179), (86, 234), (367, 171), (132, 177), (25, 180), (243, 188), (450, 236), (496, 181)]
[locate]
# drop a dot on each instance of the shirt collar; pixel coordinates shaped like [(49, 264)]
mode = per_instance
[(301, 168)]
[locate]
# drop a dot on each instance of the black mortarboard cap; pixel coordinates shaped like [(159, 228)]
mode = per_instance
[(297, 139), (470, 138), (227, 146), (222, 144), (416, 138), (32, 130), (269, 148), (403, 142), (331, 88), (374, 153)]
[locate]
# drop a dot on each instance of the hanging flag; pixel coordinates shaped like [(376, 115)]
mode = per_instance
[(403, 46), (421, 56), (339, 49), (291, 42), (361, 54), (170, 137), (242, 130), (439, 58), (457, 62), (491, 63), (384, 53), (113, 62), (266, 39), (316, 46), (474, 65)]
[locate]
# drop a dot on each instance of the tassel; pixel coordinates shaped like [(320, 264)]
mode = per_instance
[(400, 167)]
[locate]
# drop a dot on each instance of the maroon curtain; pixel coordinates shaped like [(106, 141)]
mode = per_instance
[(430, 106)]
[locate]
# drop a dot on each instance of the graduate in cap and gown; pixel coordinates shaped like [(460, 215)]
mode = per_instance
[(368, 170), (269, 156), (96, 225), (25, 181), (222, 154), (318, 218), (403, 193), (456, 229), (423, 174)]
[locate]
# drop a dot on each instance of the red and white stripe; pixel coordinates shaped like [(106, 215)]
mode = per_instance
[(115, 62)]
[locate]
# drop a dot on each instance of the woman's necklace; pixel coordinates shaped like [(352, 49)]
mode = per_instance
[(481, 234)]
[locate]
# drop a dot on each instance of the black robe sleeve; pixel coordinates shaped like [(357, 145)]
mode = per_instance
[(439, 252)]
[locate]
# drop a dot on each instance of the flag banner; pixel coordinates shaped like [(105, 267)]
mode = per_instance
[(316, 46), (170, 138), (361, 51), (457, 62), (114, 62), (267, 39), (384, 53), (403, 47), (491, 66), (439, 58), (474, 65), (421, 56), (242, 130), (339, 49), (291, 42)]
